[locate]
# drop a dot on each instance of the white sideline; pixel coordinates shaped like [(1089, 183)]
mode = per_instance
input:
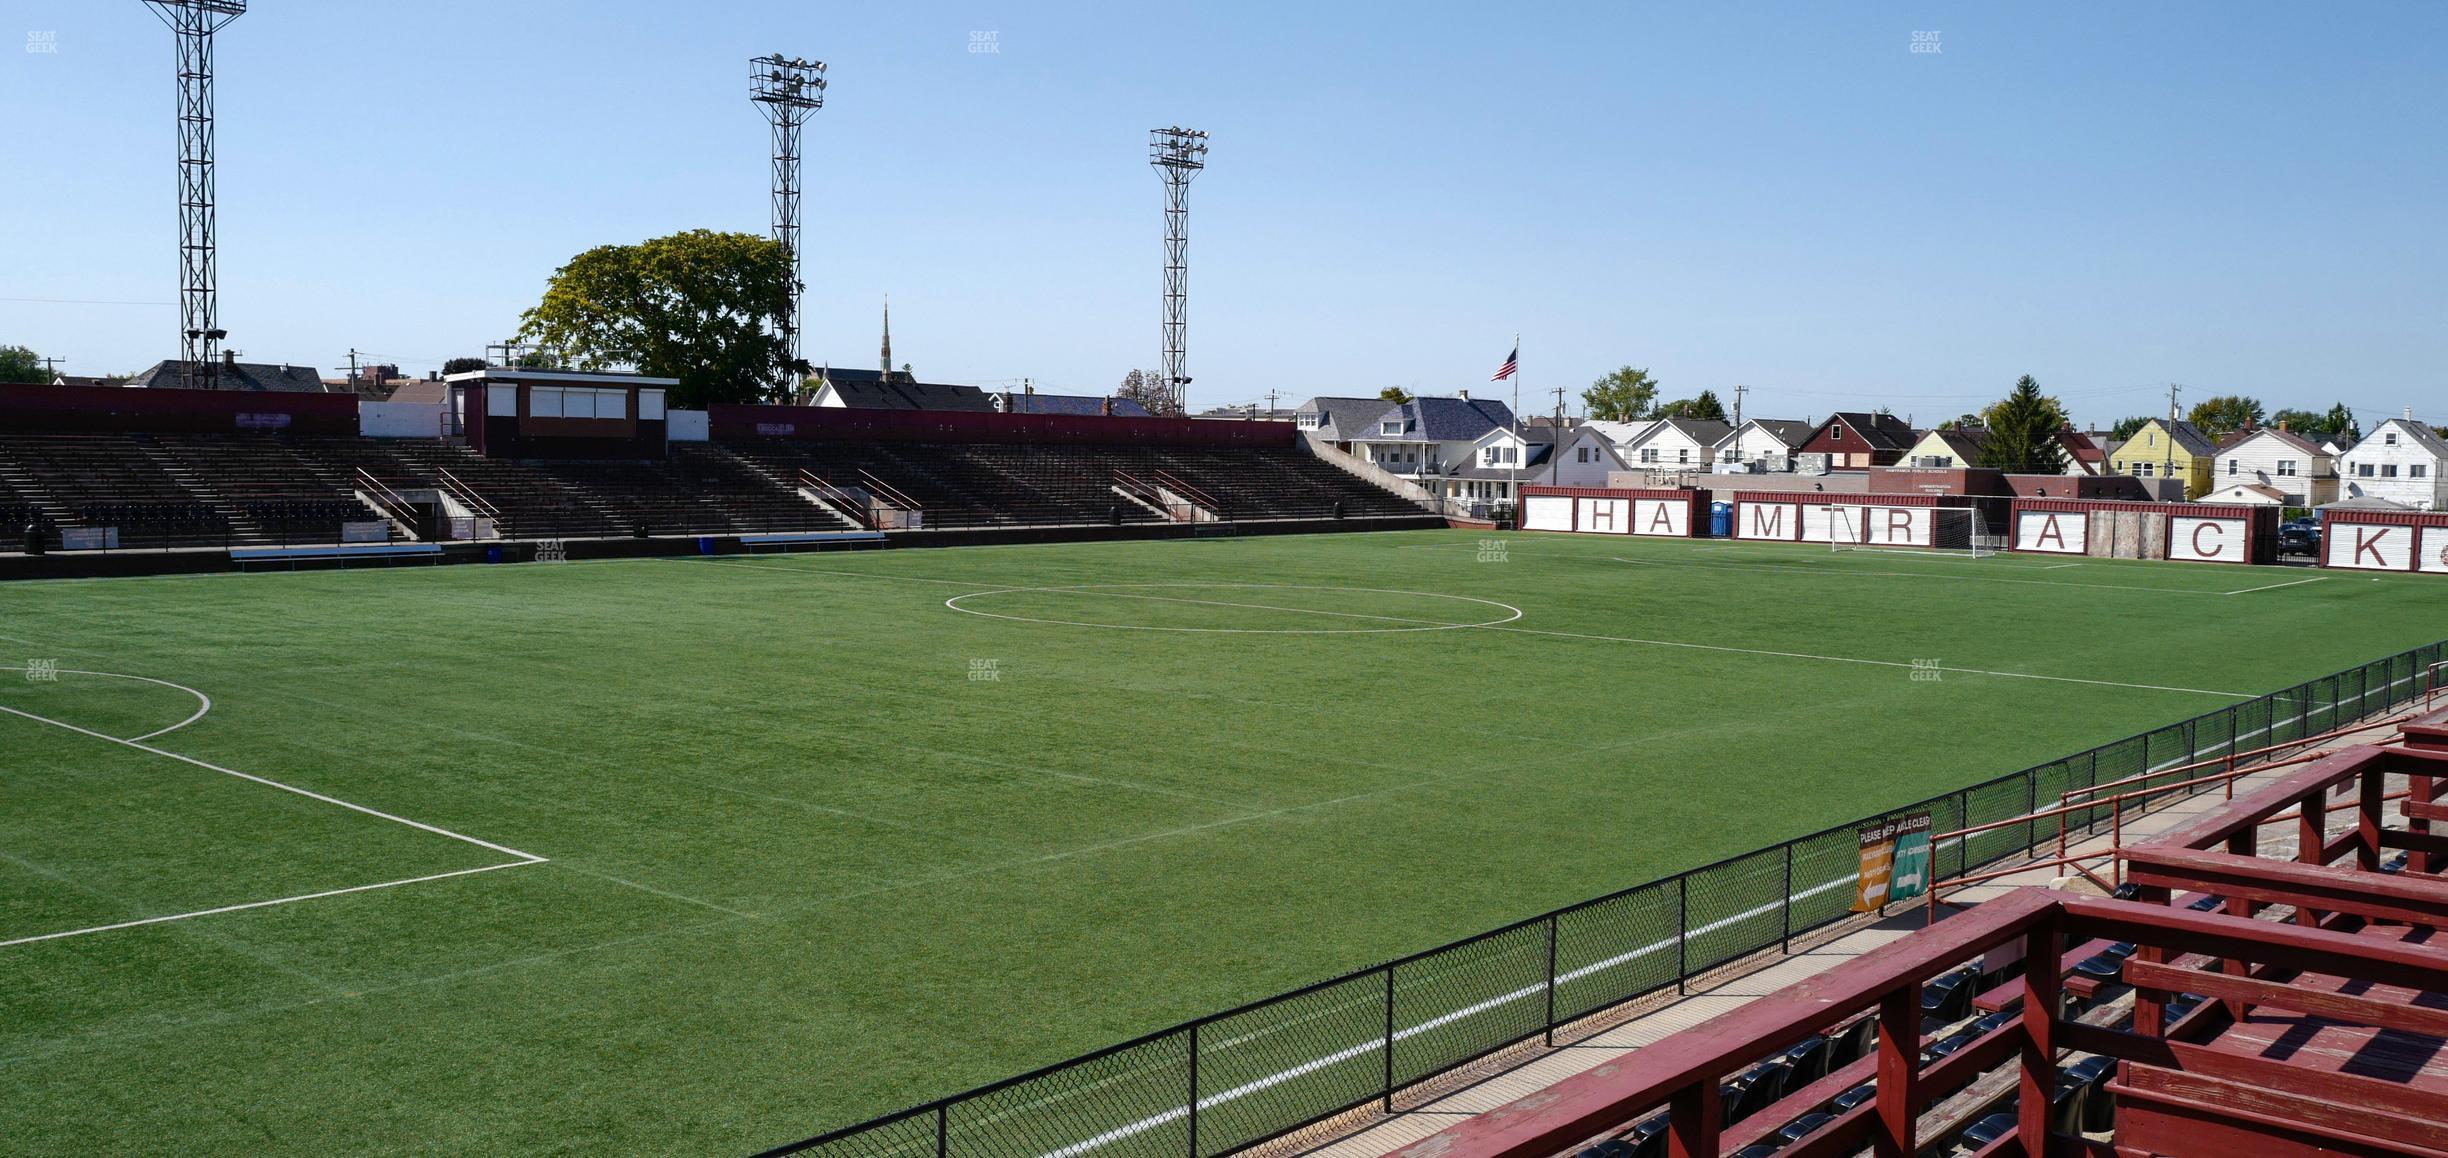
[(1349, 1053), (2275, 586)]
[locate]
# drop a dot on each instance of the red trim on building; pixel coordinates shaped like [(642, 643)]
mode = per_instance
[(828, 423)]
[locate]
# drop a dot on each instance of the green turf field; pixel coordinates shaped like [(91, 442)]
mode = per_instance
[(704, 855)]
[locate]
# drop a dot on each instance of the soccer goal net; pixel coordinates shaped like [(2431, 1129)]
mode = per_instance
[(1964, 529)]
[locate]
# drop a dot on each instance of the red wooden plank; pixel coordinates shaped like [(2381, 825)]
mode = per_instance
[(1585, 1105), (2216, 1060), (2378, 896), (2366, 1126), (2297, 998)]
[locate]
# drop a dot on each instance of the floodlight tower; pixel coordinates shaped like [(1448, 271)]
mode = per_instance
[(194, 22), (1178, 155), (787, 90)]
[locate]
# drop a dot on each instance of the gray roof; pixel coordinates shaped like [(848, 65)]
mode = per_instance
[(1344, 418), (1440, 420), (239, 376), (1881, 431), (1785, 430), (1705, 431), (1082, 404), (2422, 434), (1534, 462), (875, 390), (2191, 437)]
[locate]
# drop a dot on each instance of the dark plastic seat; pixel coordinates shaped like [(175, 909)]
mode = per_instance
[(2092, 1074), (1949, 996), (1854, 1042), (1995, 1021), (1758, 1087), (2205, 904), (1947, 1045), (1855, 1096), (1803, 1127), (1808, 1061), (1990, 1129)]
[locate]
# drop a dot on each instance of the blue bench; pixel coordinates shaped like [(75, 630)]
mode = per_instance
[(799, 538), (343, 551)]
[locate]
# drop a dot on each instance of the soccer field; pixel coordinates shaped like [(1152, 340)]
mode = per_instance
[(704, 855)]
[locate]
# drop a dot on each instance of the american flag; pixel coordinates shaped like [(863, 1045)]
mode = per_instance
[(1512, 363)]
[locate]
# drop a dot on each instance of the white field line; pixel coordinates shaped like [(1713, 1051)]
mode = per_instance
[(268, 904), (2018, 675), (2275, 586), (1349, 1053), (210, 767), (204, 702), (523, 858)]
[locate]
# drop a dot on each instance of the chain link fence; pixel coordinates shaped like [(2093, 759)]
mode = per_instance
[(1232, 1080)]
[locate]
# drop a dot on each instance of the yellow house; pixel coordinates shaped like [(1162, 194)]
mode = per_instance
[(2164, 449)]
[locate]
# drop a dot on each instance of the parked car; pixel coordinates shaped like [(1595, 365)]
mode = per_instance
[(2297, 539)]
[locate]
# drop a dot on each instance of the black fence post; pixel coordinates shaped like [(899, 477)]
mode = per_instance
[(1551, 980), (1194, 1052), (943, 1130), (1389, 1039), (1682, 930), (2031, 793), (1785, 940)]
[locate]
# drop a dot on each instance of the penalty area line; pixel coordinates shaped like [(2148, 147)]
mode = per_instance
[(268, 904)]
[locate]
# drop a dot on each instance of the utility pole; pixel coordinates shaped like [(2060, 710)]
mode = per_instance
[(356, 384), (51, 367), (2169, 470), (1739, 391)]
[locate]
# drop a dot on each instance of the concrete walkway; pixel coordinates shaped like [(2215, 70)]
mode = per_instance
[(1527, 1070)]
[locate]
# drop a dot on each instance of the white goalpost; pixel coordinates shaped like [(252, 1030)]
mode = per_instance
[(1961, 530)]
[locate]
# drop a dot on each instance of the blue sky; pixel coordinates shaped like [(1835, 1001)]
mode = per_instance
[(2233, 196)]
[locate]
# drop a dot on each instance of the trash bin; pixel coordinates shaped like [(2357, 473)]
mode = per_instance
[(1721, 520), (493, 554), (34, 538), (705, 544)]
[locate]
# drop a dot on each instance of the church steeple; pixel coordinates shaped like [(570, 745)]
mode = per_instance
[(888, 370)]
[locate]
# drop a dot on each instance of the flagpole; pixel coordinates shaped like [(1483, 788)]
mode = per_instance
[(1513, 472)]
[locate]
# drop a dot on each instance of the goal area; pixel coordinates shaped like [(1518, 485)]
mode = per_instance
[(1962, 529)]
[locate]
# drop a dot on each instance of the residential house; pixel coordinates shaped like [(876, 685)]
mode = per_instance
[(1083, 405), (1676, 444), (236, 375), (1950, 448), (877, 390), (1588, 457), (1428, 437), (1339, 420), (1769, 442), (2165, 449), (2403, 461), (1854, 440), (1961, 447), (1494, 469), (2302, 472)]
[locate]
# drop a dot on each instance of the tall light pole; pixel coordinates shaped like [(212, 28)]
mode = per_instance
[(194, 22), (1178, 155), (787, 89)]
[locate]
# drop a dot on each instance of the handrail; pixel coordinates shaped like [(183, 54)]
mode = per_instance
[(391, 503), (1174, 482), (851, 504), (890, 493), (466, 494)]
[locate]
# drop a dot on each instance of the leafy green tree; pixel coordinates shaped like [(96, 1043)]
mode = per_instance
[(463, 365), (19, 365), (1705, 406), (2340, 423), (2023, 429), (701, 306), (1395, 394), (2224, 415), (2128, 427), (1623, 396)]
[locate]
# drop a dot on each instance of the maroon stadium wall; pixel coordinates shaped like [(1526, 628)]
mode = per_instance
[(819, 423), (124, 408), (2385, 540)]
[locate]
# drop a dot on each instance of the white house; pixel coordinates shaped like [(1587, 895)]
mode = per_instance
[(1676, 444), (1586, 458), (2404, 461), (2248, 494), (1494, 469), (2298, 469), (1427, 437), (1771, 442)]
